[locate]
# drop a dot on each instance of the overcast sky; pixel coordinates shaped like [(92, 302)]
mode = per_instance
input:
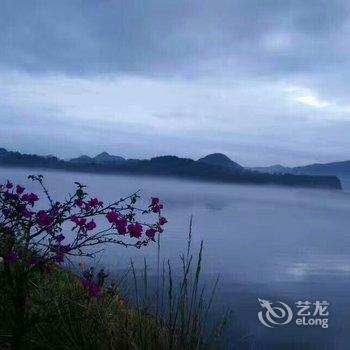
[(264, 81)]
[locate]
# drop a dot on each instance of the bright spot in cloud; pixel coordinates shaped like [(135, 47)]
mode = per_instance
[(307, 97), (312, 101)]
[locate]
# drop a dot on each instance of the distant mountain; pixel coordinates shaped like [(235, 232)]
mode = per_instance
[(3, 151), (102, 158), (82, 160), (335, 168), (221, 160), (214, 168), (9, 158), (105, 158), (273, 169)]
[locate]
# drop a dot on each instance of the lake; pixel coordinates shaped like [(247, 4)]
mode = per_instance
[(280, 244)]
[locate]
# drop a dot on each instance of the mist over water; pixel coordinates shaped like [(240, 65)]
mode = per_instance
[(267, 242)]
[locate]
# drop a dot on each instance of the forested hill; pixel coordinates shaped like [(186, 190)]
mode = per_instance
[(215, 168)]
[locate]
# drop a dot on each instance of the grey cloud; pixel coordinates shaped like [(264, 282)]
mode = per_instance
[(203, 76), (294, 145), (169, 37)]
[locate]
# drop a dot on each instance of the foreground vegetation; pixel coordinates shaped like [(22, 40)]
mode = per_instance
[(46, 305), (62, 315)]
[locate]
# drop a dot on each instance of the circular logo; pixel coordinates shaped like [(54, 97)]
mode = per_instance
[(274, 315)]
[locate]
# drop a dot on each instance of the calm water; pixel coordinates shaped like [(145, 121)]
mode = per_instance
[(266, 242)]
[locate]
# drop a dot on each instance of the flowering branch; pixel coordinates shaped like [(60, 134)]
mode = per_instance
[(41, 237)]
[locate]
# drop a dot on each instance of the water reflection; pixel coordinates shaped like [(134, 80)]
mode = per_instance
[(264, 241)]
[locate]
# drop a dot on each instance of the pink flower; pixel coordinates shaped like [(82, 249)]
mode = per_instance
[(162, 220), (8, 196), (44, 219), (86, 283), (60, 238), (78, 202), (112, 216), (87, 206), (59, 258), (154, 201), (135, 230), (74, 219), (25, 212), (19, 189), (156, 205), (121, 226), (6, 212), (33, 198), (60, 250), (11, 257), (94, 289), (8, 184), (157, 208), (79, 222), (90, 225), (94, 202), (55, 210), (25, 197), (150, 233), (30, 198), (65, 248)]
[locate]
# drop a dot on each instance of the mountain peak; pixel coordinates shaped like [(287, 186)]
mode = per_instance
[(105, 157), (3, 151), (221, 160), (103, 154)]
